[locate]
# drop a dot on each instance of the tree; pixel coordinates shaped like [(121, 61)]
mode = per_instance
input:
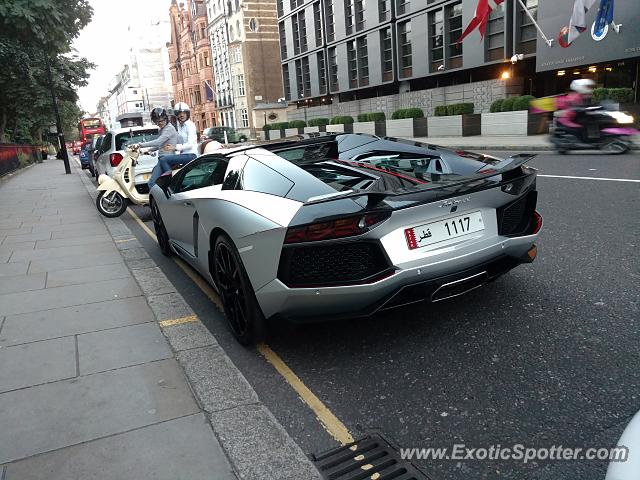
[(29, 30)]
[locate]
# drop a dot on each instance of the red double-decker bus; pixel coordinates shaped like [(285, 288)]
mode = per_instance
[(88, 127)]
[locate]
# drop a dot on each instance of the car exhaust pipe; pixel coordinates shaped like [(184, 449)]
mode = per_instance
[(459, 287)]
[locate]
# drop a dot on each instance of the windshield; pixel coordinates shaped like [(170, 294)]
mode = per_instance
[(91, 123), (139, 136)]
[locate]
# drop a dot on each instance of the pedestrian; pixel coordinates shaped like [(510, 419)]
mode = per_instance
[(165, 143)]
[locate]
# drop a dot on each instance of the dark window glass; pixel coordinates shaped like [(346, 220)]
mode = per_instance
[(494, 42), (349, 15), (280, 8), (140, 136), (436, 30), (386, 47), (257, 177), (528, 32), (322, 73), (333, 70), (286, 81), (204, 172), (360, 20), (352, 63), (317, 24), (302, 27), (330, 21), (404, 40), (363, 62), (283, 40), (306, 77), (296, 34), (455, 30), (404, 6), (384, 10), (299, 81)]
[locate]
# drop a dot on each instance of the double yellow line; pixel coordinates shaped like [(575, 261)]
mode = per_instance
[(327, 419)]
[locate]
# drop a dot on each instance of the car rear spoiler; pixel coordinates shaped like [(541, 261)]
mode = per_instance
[(507, 165)]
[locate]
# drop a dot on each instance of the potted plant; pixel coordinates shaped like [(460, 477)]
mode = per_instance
[(373, 123), (511, 116), (317, 125), (456, 120), (407, 122), (341, 124)]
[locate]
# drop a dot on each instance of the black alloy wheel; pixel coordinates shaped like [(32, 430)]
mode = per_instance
[(161, 231), (244, 317)]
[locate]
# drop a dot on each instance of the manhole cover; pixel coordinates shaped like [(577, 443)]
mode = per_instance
[(370, 458)]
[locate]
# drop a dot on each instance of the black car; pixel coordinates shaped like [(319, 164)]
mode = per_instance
[(218, 134)]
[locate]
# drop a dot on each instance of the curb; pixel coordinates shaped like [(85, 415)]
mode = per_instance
[(255, 443)]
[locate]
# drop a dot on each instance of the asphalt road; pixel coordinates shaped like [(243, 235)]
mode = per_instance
[(547, 355)]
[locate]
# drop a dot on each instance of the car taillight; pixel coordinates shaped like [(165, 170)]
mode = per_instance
[(538, 219), (115, 159), (339, 228)]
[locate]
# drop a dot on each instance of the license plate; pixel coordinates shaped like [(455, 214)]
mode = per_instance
[(435, 232)]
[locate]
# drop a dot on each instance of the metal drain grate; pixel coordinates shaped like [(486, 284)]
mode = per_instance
[(370, 458)]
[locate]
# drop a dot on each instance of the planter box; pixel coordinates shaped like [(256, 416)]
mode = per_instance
[(407, 127), (513, 123), (275, 134), (372, 128), (455, 125), (340, 128), (291, 132), (320, 128)]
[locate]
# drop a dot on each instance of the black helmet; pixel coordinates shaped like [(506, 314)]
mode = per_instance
[(159, 113)]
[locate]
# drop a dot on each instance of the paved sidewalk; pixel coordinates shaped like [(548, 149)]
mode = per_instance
[(100, 356)]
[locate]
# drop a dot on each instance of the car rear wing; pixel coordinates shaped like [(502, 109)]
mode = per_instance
[(440, 186)]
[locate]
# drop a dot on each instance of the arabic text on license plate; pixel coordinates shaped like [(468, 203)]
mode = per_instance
[(442, 230)]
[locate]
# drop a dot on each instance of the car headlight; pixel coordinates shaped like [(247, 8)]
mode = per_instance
[(622, 117)]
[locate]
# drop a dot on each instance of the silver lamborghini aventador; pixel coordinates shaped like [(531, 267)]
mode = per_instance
[(344, 225)]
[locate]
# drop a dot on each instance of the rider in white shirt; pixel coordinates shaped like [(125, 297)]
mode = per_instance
[(187, 147)]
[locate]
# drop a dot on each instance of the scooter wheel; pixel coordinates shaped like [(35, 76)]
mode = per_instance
[(616, 147), (112, 205)]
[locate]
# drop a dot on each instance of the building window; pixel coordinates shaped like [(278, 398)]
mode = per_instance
[(286, 82), (296, 34), (455, 30), (360, 20), (244, 116), (280, 8), (384, 10), (363, 62), (283, 40), (349, 15), (303, 31), (322, 73), (203, 33), (333, 70), (317, 24), (198, 95), (386, 47), (352, 64), (207, 59), (241, 92), (403, 6), (494, 42), (306, 77), (299, 81), (528, 32), (330, 21), (299, 33), (436, 30), (404, 40)]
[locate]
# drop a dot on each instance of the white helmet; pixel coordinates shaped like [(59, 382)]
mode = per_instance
[(181, 107), (584, 86)]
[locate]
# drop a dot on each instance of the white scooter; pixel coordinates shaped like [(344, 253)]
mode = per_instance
[(116, 192)]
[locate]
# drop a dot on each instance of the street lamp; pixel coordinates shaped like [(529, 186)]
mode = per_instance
[(63, 143)]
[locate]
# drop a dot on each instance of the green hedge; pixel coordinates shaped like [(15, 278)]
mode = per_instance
[(496, 106), (620, 95), (276, 126), (318, 122), (507, 104), (522, 103), (297, 124), (372, 117), (454, 109), (407, 113), (341, 119)]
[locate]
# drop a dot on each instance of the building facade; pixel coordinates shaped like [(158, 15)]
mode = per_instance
[(245, 48), (190, 61), (339, 57)]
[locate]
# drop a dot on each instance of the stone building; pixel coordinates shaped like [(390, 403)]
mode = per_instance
[(190, 61)]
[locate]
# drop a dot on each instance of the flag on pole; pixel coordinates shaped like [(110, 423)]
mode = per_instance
[(483, 9), (208, 91), (577, 23)]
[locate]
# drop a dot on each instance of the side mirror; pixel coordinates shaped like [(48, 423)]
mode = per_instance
[(163, 182)]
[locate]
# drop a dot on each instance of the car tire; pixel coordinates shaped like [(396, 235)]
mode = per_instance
[(161, 231), (242, 139), (111, 209), (244, 316)]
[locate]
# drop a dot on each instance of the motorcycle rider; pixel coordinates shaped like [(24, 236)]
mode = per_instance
[(580, 97), (166, 141), (187, 147)]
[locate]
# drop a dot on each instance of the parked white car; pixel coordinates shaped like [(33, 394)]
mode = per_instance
[(112, 152)]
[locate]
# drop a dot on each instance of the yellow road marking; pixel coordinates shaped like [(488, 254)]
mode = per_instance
[(178, 321), (327, 419)]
